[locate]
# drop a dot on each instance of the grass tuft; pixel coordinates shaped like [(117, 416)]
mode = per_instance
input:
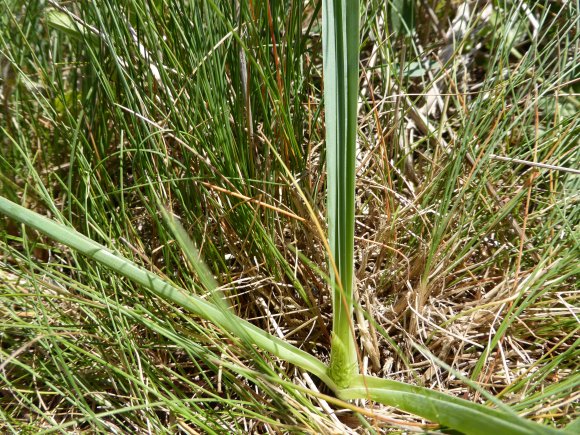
[(465, 216)]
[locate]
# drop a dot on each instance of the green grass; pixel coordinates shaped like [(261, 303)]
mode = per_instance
[(215, 111)]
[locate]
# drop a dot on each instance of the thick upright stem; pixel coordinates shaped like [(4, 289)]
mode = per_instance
[(340, 41)]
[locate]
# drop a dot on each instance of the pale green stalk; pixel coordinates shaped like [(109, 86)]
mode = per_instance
[(340, 41)]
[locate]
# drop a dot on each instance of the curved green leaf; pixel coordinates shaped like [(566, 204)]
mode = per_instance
[(459, 414)]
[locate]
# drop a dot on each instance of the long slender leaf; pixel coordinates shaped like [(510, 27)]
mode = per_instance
[(449, 411)]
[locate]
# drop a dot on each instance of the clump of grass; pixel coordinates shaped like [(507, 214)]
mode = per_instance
[(465, 263)]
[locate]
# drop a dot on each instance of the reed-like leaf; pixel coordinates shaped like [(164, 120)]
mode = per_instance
[(340, 41), (459, 414)]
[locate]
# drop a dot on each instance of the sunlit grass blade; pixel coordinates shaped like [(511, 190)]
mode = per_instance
[(462, 415), (193, 256), (340, 40)]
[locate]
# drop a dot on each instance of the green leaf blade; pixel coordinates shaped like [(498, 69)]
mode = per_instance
[(465, 416)]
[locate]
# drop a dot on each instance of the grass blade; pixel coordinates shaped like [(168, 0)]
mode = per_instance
[(459, 414)]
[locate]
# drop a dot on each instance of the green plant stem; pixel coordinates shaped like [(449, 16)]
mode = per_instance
[(340, 40)]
